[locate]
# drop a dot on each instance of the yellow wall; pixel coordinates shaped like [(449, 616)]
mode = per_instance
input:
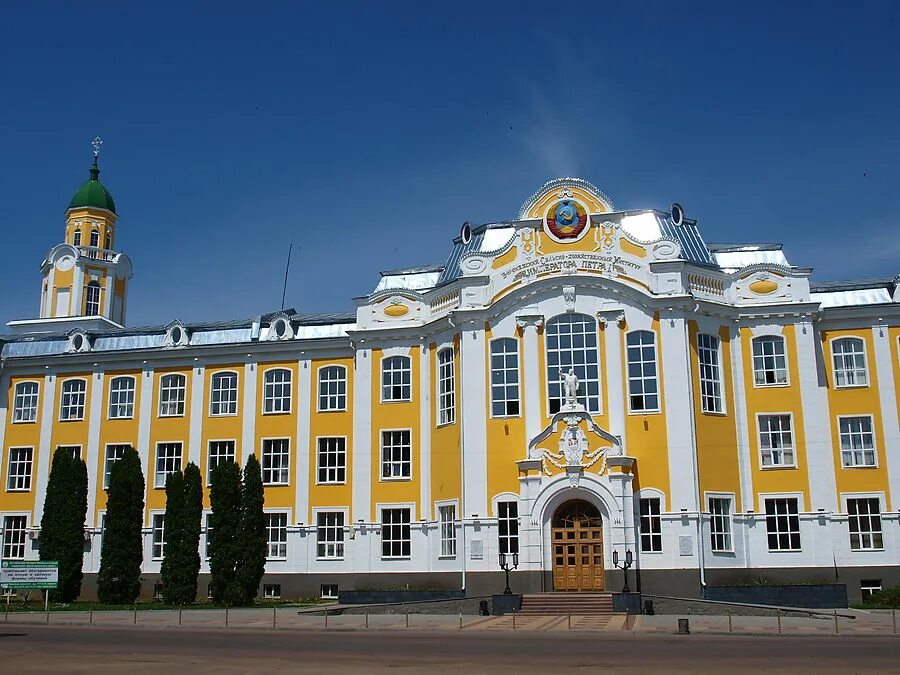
[(220, 427), (116, 431), (506, 440), (164, 430), (446, 445), (22, 434), (279, 425)]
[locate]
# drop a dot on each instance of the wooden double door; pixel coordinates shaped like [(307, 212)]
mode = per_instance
[(577, 541)]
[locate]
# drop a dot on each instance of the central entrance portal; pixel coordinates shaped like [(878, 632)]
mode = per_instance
[(577, 540)]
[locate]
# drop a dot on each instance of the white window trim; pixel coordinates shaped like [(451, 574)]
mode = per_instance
[(650, 493), (287, 529), (28, 527), (318, 384), (109, 398), (209, 441), (381, 477), (379, 507), (346, 457), (440, 381), (37, 405), (106, 446), (722, 391), (659, 392), (6, 477), (759, 447), (721, 495), (70, 445), (290, 466), (548, 389), (882, 504), (347, 529), (801, 511), (62, 394), (457, 522), (262, 397), (150, 514), (865, 353), (874, 442), (159, 403), (787, 363), (381, 379), (237, 402), (490, 370), (182, 463)]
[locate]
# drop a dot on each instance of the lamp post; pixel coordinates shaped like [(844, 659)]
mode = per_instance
[(506, 567), (629, 561)]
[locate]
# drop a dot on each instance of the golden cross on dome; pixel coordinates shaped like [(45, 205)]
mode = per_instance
[(97, 142)]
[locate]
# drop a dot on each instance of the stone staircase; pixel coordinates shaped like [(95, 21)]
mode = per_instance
[(561, 604)]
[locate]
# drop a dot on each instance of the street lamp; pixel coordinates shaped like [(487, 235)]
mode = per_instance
[(629, 561), (505, 565)]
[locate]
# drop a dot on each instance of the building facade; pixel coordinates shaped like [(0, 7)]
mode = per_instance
[(574, 383)]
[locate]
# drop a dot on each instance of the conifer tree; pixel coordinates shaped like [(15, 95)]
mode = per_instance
[(193, 515), (122, 551), (62, 523), (171, 570), (225, 500), (252, 533)]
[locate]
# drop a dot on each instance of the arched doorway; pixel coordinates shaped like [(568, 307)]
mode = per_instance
[(577, 541)]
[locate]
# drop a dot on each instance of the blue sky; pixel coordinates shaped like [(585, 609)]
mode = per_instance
[(369, 132)]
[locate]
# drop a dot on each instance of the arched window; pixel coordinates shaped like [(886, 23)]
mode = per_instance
[(504, 377), (849, 357), (71, 404), (769, 361), (121, 397), (332, 388), (643, 385), (572, 343), (95, 238), (277, 391), (25, 402), (396, 378), (76, 238), (710, 373), (446, 387), (172, 389), (223, 394), (92, 299)]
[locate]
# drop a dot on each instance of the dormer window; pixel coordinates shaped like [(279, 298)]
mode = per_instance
[(176, 335), (78, 342), (280, 329)]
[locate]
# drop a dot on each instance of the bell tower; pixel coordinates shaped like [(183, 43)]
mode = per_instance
[(85, 276)]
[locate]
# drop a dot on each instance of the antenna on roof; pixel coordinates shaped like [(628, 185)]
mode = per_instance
[(287, 267)]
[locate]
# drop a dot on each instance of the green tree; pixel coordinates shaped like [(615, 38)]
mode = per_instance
[(252, 533), (193, 516), (62, 523), (119, 579), (171, 570), (225, 500)]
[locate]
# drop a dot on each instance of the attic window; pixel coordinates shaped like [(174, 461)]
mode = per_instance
[(280, 329), (177, 335), (78, 342)]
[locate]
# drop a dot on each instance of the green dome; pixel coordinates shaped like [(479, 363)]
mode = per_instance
[(93, 194)]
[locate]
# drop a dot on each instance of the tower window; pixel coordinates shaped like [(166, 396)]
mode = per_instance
[(95, 238), (92, 299), (108, 244), (76, 238)]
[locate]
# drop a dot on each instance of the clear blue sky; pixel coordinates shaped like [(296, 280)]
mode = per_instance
[(371, 131)]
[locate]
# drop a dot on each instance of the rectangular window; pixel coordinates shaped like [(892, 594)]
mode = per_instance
[(223, 395), (783, 524), (447, 515), (446, 387), (219, 453), (868, 587), (121, 398), (92, 294), (710, 373), (71, 406), (158, 525), (776, 441), (332, 388), (18, 476), (643, 387), (769, 361), (508, 527), (276, 461), (207, 519), (328, 591), (277, 391), (272, 591), (395, 533), (26, 402), (857, 441), (168, 460), (849, 355), (15, 533), (172, 389), (276, 535), (74, 451), (720, 524), (396, 379), (572, 345), (114, 453), (651, 525), (396, 455), (331, 455), (504, 377), (330, 535), (865, 524)]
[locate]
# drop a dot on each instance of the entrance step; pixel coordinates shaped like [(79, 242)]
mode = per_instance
[(560, 604)]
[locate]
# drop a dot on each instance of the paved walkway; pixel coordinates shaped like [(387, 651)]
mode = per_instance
[(865, 623)]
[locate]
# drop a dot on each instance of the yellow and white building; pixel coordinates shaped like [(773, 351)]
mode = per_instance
[(576, 381)]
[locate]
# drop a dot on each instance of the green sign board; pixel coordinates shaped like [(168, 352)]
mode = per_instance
[(29, 574)]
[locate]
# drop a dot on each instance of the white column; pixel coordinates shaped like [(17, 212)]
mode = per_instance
[(306, 397), (425, 433), (614, 376), (92, 451), (248, 426), (4, 411), (474, 422), (816, 422), (195, 433), (531, 389), (740, 417), (44, 451), (362, 437), (77, 290), (678, 401), (145, 419), (887, 396), (107, 295)]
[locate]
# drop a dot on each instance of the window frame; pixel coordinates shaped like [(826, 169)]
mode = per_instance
[(180, 404), (157, 474), (798, 500), (554, 387), (508, 542), (265, 398), (878, 498), (653, 536), (16, 398), (391, 478), (410, 512), (718, 382), (129, 405), (328, 395), (5, 551), (212, 390), (339, 543), (759, 441), (728, 518), (209, 455), (400, 358), (337, 468), (505, 385), (865, 360), (446, 390), (262, 460), (154, 543), (107, 465), (268, 514), (92, 288), (753, 360), (24, 481), (448, 542), (65, 404), (852, 451), (643, 377)]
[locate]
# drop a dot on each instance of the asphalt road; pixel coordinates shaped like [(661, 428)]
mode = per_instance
[(58, 649)]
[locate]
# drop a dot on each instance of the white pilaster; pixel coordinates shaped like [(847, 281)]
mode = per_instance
[(77, 289), (362, 437), (248, 437), (473, 419), (145, 419), (816, 421), (740, 418), (887, 397), (92, 456), (425, 433), (44, 451), (531, 389), (195, 433), (306, 398), (615, 395), (107, 295)]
